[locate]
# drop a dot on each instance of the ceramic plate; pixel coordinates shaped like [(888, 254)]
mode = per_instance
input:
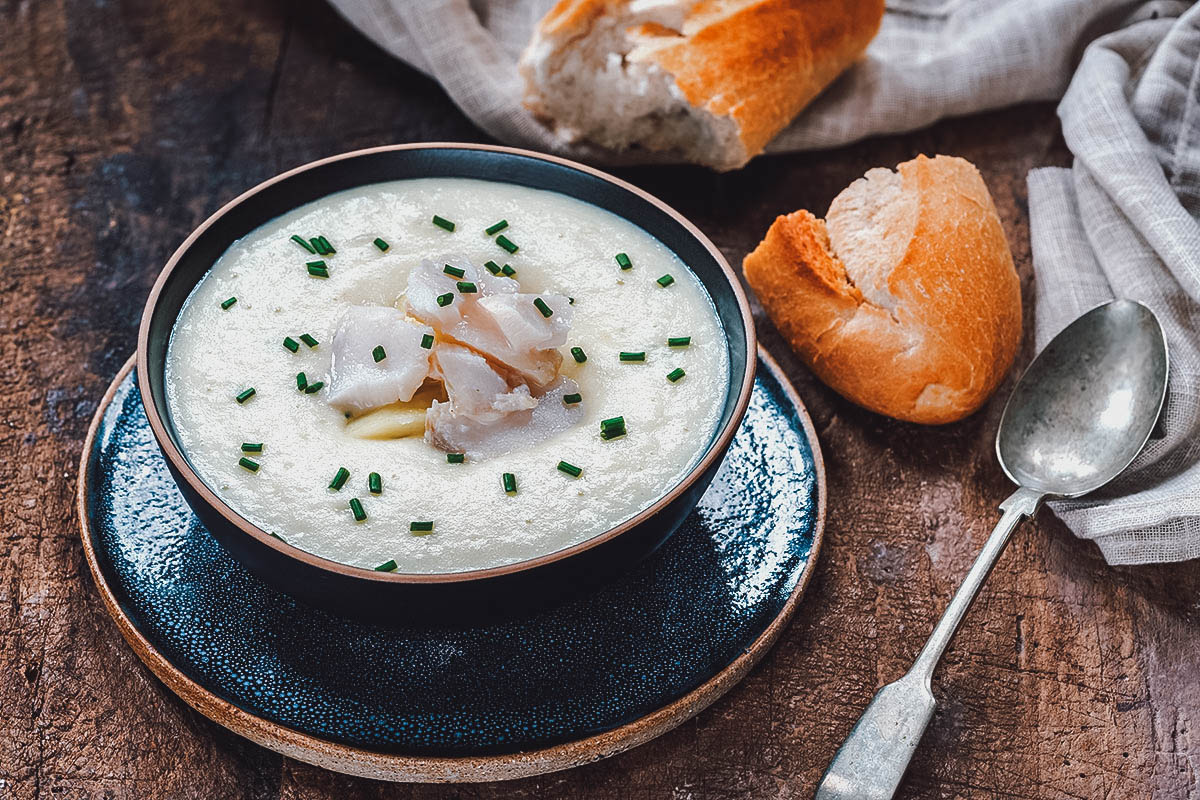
[(571, 684)]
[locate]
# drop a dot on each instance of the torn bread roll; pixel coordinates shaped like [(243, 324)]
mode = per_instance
[(904, 299), (710, 81)]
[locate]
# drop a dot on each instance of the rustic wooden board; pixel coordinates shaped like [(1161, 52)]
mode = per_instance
[(123, 123)]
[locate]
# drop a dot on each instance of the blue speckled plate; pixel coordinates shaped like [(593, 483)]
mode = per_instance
[(597, 675)]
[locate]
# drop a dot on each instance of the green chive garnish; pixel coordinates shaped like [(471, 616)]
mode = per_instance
[(455, 458), (291, 344), (445, 299), (252, 447), (492, 267), (420, 528), (578, 354), (623, 261), (444, 223), (509, 482), (379, 354), (612, 428), (665, 281), (316, 246), (675, 374), (308, 339), (541, 306), (427, 341), (318, 269), (455, 271), (339, 478), (571, 300), (375, 483), (326, 247), (572, 399), (492, 230), (248, 464), (225, 304), (504, 242), (301, 381), (387, 566), (245, 395), (570, 469), (277, 536), (466, 287), (300, 241), (381, 244), (357, 509), (641, 356), (679, 341), (508, 271), (613, 422), (313, 388)]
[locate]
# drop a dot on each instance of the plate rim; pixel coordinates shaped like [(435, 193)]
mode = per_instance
[(361, 762)]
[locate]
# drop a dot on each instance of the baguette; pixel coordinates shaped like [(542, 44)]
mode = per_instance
[(710, 81), (904, 299)]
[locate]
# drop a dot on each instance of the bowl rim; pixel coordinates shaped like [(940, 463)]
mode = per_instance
[(716, 449)]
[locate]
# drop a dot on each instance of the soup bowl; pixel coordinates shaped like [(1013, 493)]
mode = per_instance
[(450, 596)]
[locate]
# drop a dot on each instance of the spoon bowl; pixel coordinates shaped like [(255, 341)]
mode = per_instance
[(1087, 404)]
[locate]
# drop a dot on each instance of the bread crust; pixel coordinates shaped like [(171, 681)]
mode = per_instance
[(755, 62), (956, 325)]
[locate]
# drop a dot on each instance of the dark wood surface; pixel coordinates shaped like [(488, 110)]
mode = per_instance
[(123, 123)]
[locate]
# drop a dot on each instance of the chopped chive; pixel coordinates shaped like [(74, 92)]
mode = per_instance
[(675, 374), (446, 299), (291, 344), (357, 509), (455, 458), (245, 395), (613, 422), (420, 528), (339, 478), (387, 566), (623, 261), (226, 304), (381, 244), (612, 433), (316, 246), (571, 300), (466, 287), (508, 271), (443, 223), (612, 428), (277, 536), (300, 241), (379, 354), (572, 399), (248, 464), (492, 267), (578, 354), (541, 306), (492, 230), (308, 339), (252, 447), (375, 483), (455, 271), (301, 381), (640, 356), (509, 482), (507, 244), (570, 469), (679, 341), (665, 281), (313, 388), (318, 269), (427, 341), (326, 245)]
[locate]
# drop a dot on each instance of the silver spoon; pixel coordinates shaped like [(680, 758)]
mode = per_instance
[(1081, 412)]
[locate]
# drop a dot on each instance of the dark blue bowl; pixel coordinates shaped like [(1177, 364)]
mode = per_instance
[(457, 596)]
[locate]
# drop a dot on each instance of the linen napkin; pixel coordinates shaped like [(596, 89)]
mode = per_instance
[(1122, 221)]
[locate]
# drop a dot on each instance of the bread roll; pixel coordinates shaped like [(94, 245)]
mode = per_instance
[(711, 81), (904, 299)]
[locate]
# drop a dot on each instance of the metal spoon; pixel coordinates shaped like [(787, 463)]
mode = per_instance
[(1081, 412)]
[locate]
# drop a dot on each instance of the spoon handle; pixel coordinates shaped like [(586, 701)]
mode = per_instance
[(871, 762)]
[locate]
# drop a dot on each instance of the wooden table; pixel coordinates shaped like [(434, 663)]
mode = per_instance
[(123, 123)]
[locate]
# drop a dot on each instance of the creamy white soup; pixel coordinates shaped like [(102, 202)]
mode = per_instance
[(440, 395)]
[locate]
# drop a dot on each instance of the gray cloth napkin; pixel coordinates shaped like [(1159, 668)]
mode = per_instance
[(1122, 221)]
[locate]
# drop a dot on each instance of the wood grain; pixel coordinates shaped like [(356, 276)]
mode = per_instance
[(123, 123)]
